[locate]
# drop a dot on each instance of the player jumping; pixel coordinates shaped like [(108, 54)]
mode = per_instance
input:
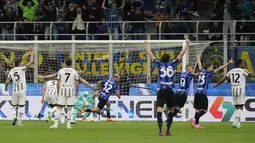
[(165, 94), (110, 86), (237, 78), (66, 79), (200, 99), (18, 77), (84, 100), (182, 92)]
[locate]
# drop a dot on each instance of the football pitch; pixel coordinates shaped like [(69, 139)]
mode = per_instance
[(124, 132)]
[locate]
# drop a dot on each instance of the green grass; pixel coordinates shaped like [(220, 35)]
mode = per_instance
[(124, 132)]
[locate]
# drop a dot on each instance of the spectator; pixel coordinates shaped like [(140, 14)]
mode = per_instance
[(38, 27), (137, 27), (28, 10), (3, 71), (166, 27), (113, 15), (93, 13), (150, 27), (7, 28), (50, 11), (102, 29), (215, 28), (246, 7), (13, 4), (78, 25), (70, 16)]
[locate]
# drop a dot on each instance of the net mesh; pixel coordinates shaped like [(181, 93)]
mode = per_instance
[(92, 60), (96, 61)]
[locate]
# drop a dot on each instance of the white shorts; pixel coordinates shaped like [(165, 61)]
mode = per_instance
[(18, 98), (239, 100), (51, 99), (66, 97)]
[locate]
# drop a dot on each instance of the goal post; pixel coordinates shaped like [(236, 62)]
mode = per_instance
[(97, 60)]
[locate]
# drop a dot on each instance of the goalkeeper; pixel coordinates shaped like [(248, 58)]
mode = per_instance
[(84, 100)]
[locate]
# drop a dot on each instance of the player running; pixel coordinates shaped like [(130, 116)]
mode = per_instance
[(165, 94), (66, 79), (182, 92), (84, 100), (237, 78), (110, 86), (200, 99), (18, 77)]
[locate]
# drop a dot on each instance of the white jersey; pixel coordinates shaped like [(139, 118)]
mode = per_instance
[(238, 81), (18, 77), (51, 88), (67, 78)]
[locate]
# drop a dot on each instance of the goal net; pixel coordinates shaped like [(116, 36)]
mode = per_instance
[(98, 60)]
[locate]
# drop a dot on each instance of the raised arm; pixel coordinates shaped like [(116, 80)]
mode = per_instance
[(179, 57), (85, 82), (21, 4), (148, 51), (76, 87), (123, 4), (35, 4), (221, 81), (251, 75), (31, 60), (103, 5), (223, 66), (199, 62)]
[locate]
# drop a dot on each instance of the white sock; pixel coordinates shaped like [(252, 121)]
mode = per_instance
[(69, 115), (20, 112), (57, 116), (63, 114), (14, 112), (238, 114)]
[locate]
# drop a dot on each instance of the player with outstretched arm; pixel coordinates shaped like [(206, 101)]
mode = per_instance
[(67, 79), (18, 77), (200, 99), (110, 86), (237, 78), (165, 95)]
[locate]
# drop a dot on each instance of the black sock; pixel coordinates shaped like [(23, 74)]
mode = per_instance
[(108, 113), (175, 112), (170, 120), (88, 110), (197, 116), (201, 113), (159, 119)]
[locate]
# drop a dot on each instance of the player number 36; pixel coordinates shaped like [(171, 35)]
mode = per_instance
[(166, 71)]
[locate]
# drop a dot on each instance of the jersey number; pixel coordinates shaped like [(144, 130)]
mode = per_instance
[(235, 77), (182, 82), (201, 80), (17, 76), (166, 71), (107, 87), (67, 76), (52, 83)]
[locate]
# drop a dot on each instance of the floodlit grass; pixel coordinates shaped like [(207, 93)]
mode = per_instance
[(124, 132)]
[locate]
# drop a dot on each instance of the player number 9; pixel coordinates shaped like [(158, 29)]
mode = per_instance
[(182, 82), (166, 72)]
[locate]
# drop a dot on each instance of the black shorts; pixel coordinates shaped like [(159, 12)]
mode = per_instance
[(165, 96), (200, 101), (180, 99), (102, 102)]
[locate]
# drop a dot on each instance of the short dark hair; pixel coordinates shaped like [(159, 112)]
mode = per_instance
[(68, 62), (17, 61), (189, 65), (96, 89), (165, 58), (238, 62), (207, 65)]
